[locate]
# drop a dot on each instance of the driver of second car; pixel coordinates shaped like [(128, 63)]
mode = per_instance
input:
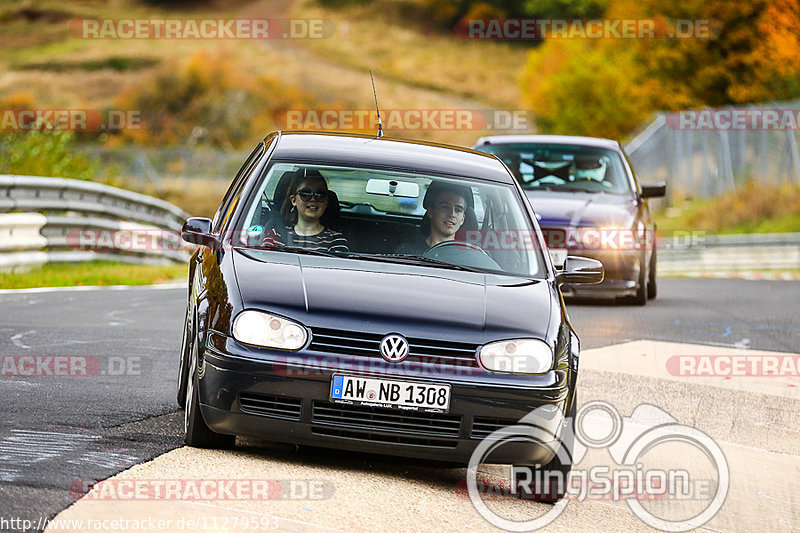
[(446, 207)]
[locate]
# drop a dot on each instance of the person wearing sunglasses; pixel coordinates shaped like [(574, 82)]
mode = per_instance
[(303, 208)]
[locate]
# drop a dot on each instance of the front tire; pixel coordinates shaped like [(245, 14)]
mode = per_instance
[(652, 289), (554, 491), (196, 432), (642, 291), (183, 369)]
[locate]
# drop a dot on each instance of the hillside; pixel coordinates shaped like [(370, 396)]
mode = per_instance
[(419, 68)]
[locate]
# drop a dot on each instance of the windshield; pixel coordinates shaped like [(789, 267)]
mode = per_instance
[(391, 216), (563, 167)]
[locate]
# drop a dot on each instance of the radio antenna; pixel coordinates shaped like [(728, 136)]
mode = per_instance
[(378, 109)]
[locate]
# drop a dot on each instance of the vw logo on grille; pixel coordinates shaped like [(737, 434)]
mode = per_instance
[(394, 348)]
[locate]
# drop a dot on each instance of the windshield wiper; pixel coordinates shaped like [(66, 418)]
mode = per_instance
[(415, 260), (300, 250), (565, 188)]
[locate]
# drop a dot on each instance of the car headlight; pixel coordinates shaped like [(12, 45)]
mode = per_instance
[(270, 331), (519, 356)]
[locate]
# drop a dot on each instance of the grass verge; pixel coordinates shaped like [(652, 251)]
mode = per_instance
[(92, 273), (754, 208)]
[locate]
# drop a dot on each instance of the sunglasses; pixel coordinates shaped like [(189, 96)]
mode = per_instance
[(306, 195)]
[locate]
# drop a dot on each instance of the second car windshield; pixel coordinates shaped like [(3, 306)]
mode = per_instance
[(391, 216), (563, 167)]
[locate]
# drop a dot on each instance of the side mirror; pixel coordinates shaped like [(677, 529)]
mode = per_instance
[(654, 190), (197, 230), (580, 270)]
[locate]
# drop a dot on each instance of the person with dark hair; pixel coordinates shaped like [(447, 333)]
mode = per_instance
[(445, 210), (303, 208)]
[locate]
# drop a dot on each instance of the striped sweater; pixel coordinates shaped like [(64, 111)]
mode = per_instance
[(326, 240)]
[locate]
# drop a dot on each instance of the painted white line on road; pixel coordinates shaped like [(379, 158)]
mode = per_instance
[(83, 288), (17, 342)]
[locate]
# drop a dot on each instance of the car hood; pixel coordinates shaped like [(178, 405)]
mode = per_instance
[(375, 297), (570, 209)]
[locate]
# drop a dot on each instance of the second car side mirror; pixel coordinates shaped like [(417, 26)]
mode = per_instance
[(654, 190), (197, 230), (580, 270)]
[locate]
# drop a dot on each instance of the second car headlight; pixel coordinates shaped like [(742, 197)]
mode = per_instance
[(518, 356), (270, 331)]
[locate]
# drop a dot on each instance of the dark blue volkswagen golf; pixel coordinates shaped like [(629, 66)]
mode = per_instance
[(378, 295), (590, 203)]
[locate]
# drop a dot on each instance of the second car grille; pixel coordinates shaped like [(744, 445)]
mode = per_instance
[(419, 350)]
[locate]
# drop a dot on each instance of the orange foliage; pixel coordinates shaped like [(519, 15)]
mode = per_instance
[(607, 87), (210, 100)]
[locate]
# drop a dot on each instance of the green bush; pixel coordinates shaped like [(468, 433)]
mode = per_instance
[(45, 153)]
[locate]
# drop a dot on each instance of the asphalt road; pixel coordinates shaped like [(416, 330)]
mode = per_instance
[(57, 431), (109, 415)]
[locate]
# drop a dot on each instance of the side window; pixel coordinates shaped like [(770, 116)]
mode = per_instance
[(235, 184), (255, 168)]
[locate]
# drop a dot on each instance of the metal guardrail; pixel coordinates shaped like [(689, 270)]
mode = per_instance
[(705, 162), (73, 220), (698, 253), (67, 220), (20, 231), (37, 194)]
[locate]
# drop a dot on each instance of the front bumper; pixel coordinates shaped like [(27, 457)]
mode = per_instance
[(284, 401)]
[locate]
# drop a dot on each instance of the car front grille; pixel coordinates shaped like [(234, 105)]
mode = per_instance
[(385, 438), (382, 425), (272, 406), (483, 427), (447, 353)]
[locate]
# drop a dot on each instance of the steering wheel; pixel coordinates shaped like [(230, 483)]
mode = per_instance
[(550, 179), (445, 244), (484, 260)]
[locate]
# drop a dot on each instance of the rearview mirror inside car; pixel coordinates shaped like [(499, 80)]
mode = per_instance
[(404, 189)]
